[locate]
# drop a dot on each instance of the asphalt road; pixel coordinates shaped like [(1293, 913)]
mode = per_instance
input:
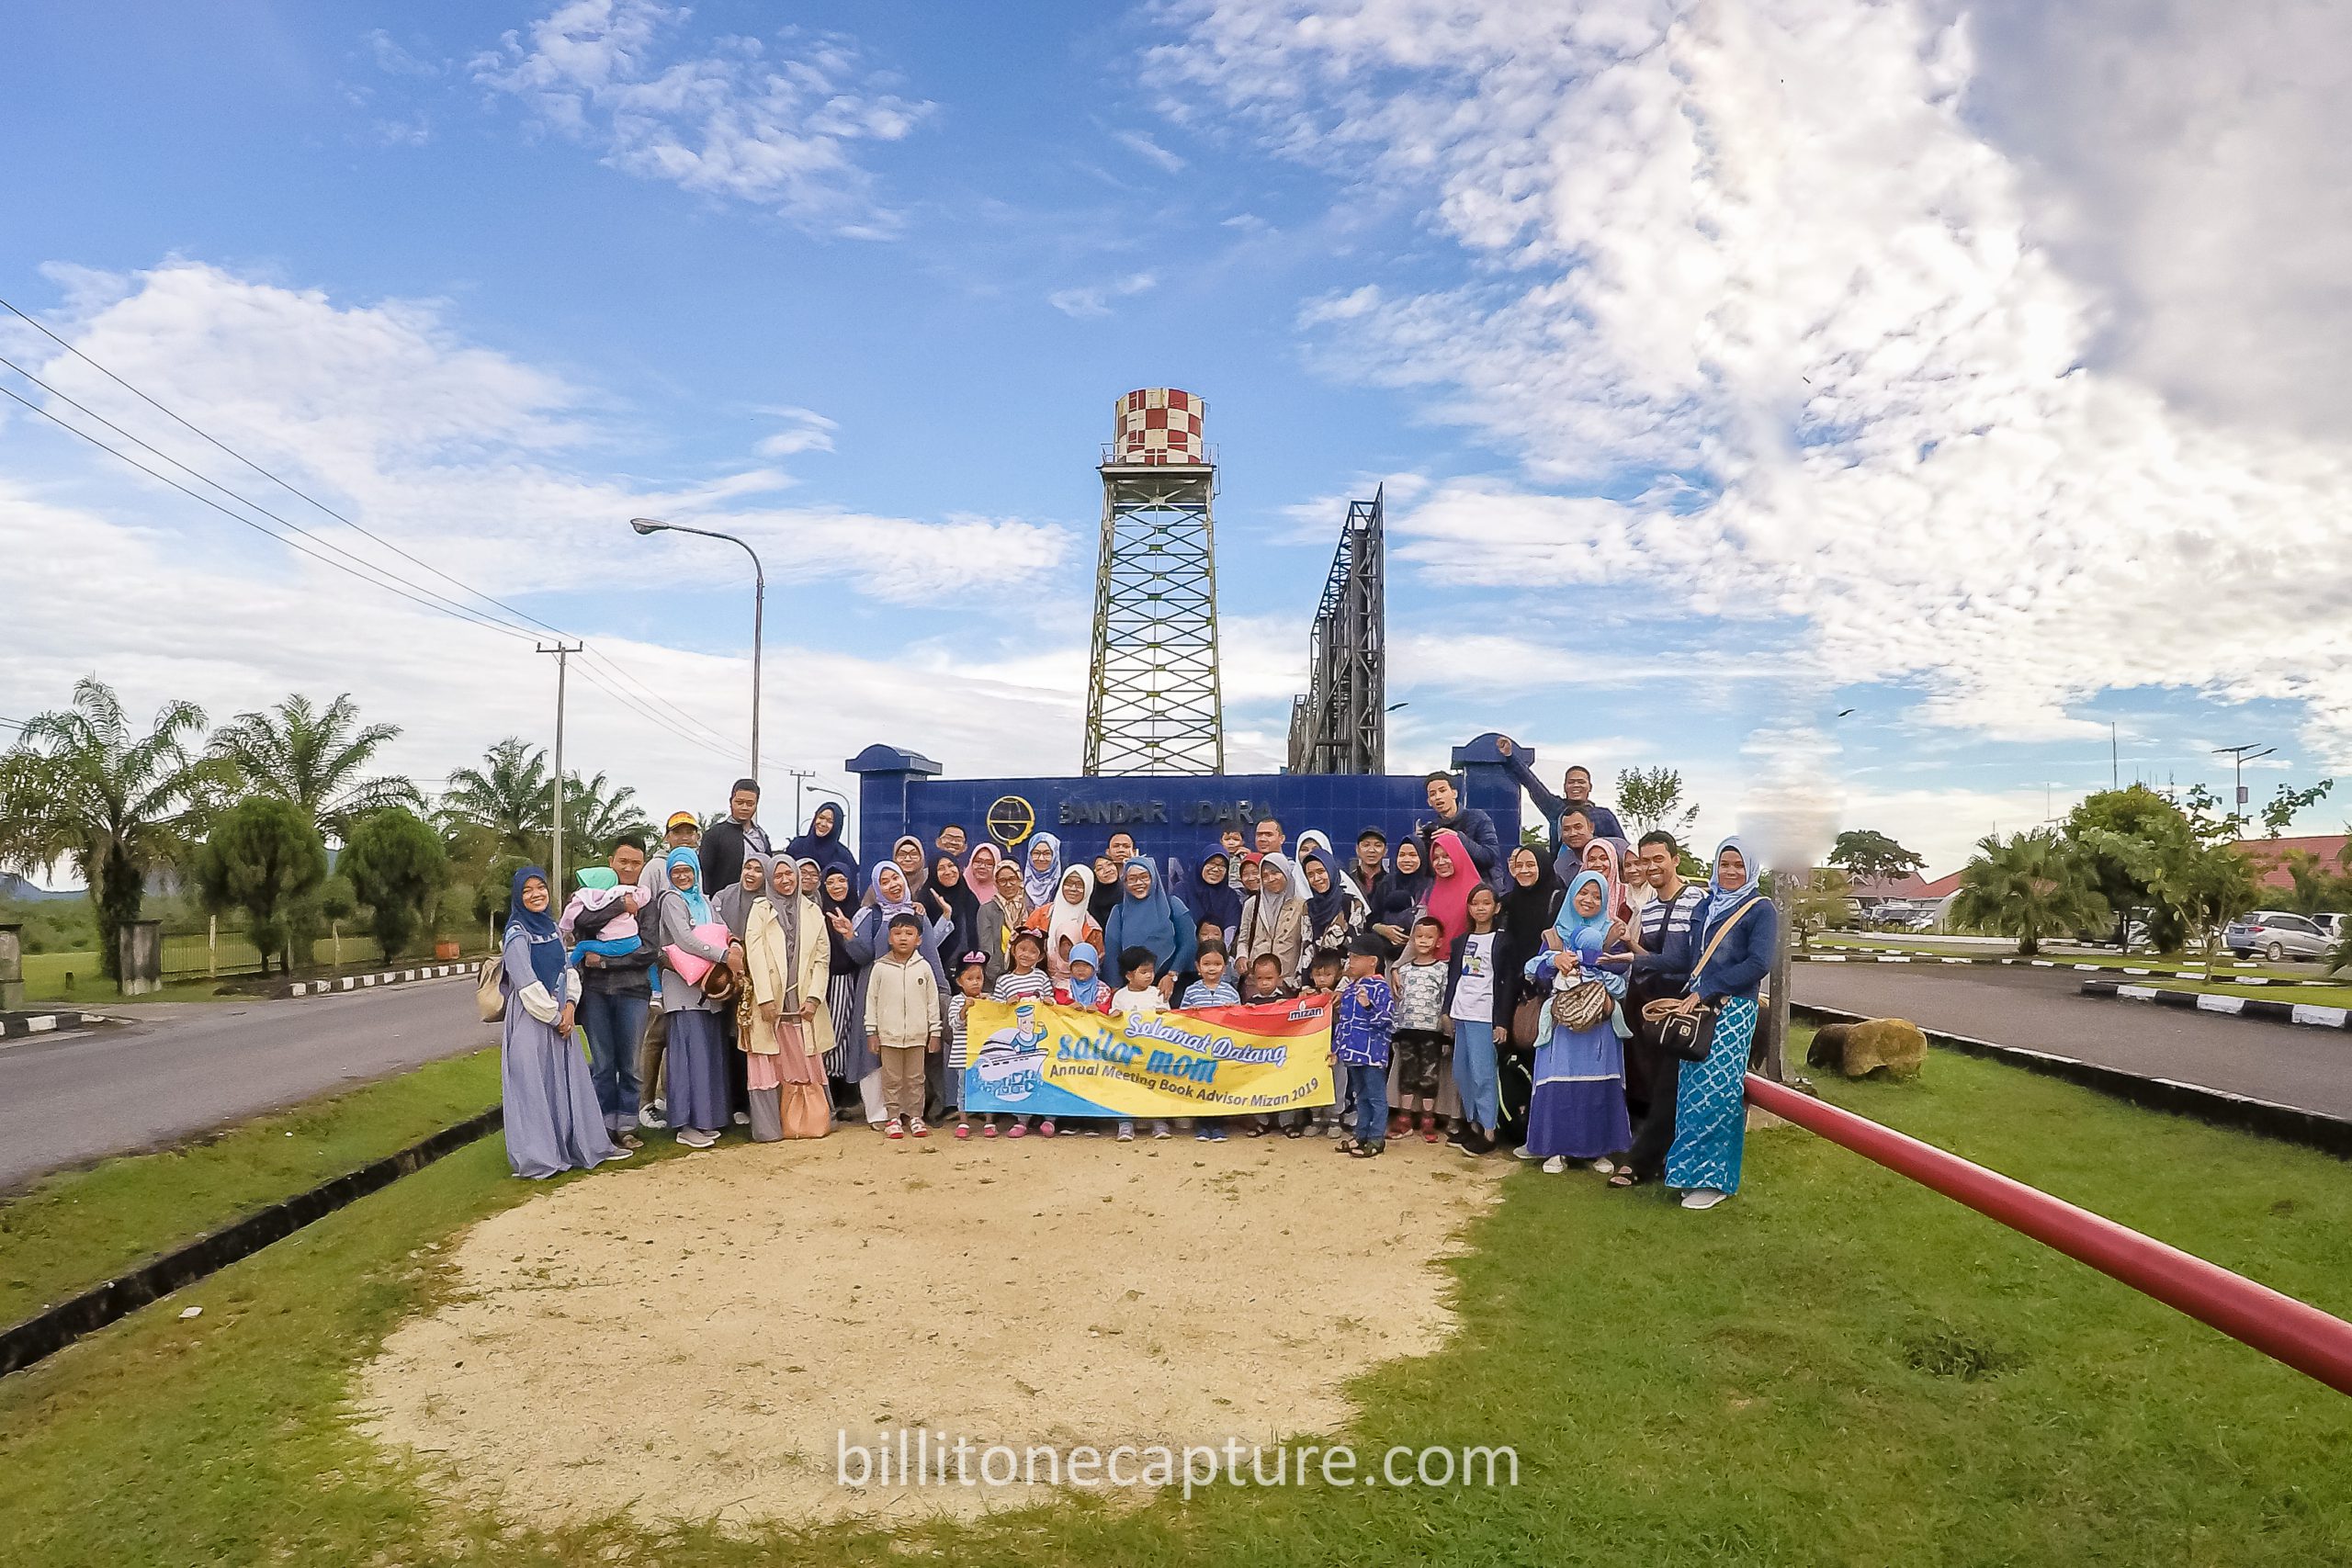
[(2043, 1011), (182, 1069)]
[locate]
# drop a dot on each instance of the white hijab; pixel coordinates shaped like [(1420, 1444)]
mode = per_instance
[(1069, 919)]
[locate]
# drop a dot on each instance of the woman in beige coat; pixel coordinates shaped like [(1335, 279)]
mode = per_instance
[(786, 959)]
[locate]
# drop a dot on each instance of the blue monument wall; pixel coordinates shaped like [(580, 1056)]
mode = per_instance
[(1170, 816)]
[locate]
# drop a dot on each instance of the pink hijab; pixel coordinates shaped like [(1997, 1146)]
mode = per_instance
[(1615, 907), (979, 872), (1449, 900)]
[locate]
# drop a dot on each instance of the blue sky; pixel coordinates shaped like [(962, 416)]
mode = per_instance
[(1707, 412)]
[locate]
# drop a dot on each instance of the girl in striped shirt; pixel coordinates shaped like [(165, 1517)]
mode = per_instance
[(1025, 979)]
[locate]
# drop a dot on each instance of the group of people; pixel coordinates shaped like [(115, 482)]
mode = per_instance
[(1495, 999)]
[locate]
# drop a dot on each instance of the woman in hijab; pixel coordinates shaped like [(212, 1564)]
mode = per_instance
[(1274, 918), (1041, 870), (851, 1063), (1534, 902), (1214, 896), (979, 871), (1402, 893), (866, 939), (948, 899), (1736, 947), (1602, 857), (1452, 874), (696, 1057), (553, 1123), (1105, 897), (822, 844), (1335, 910), (787, 957), (1577, 1108), (1068, 923), (1004, 908), (1145, 916), (734, 901)]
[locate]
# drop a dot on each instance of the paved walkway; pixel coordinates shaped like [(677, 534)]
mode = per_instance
[(182, 1069), (2308, 1068)]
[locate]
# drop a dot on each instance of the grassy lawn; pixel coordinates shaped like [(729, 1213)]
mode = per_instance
[(45, 973), (1917, 945), (2314, 996), (1837, 1368), (78, 1229)]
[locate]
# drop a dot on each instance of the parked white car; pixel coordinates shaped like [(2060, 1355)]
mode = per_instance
[(2330, 926), (2276, 935)]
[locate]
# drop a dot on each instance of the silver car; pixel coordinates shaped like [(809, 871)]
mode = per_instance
[(2276, 935)]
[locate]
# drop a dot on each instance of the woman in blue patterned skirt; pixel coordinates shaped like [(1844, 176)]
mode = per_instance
[(1710, 1105)]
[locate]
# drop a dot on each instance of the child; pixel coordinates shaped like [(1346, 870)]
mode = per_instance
[(1139, 996), (1024, 982), (971, 981), (1235, 846), (1266, 984), (1322, 978), (1420, 1044), (1470, 987), (1210, 990), (1084, 989), (1361, 1026), (902, 1025), (1578, 1110), (616, 938)]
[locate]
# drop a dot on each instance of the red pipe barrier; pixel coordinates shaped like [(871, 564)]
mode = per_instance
[(2279, 1326)]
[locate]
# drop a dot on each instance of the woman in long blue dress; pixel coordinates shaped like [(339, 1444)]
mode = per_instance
[(553, 1123), (1710, 1105), (697, 1054), (1577, 1108)]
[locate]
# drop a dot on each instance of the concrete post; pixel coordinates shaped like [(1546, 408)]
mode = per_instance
[(12, 968), (143, 957)]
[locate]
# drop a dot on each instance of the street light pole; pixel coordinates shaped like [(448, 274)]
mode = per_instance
[(2240, 756), (564, 652), (759, 608)]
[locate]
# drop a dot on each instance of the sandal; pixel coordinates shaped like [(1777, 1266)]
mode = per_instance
[(1370, 1150), (1296, 1131), (1625, 1176), (1346, 1146)]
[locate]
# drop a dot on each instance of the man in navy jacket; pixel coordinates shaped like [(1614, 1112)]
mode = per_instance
[(1577, 787), (1478, 829)]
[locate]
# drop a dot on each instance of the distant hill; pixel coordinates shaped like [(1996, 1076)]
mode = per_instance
[(17, 888)]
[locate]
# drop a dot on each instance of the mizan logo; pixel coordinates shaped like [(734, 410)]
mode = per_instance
[(1011, 819)]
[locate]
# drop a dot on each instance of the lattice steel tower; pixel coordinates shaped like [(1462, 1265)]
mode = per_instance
[(1340, 725), (1153, 703)]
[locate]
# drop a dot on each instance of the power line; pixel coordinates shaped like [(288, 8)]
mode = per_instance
[(348, 562), (612, 665)]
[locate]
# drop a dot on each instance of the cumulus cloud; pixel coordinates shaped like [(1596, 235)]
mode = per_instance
[(1768, 320), (774, 123)]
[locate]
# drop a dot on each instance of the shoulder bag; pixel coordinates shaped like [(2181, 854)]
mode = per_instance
[(1691, 1035)]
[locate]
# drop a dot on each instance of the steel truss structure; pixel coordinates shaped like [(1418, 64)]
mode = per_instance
[(1340, 725), (1154, 703)]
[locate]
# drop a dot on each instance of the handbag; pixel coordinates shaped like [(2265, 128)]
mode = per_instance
[(489, 988), (1690, 1036), (1581, 1006), (693, 967), (1527, 1022)]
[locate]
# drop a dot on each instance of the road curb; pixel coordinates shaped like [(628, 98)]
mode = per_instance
[(2308, 1015), (1856, 955), (37, 1337), (368, 982), (21, 1025), (2216, 1107)]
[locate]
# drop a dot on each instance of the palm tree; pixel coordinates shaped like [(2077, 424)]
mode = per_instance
[(504, 803), (2034, 885), (79, 786), (596, 812), (314, 757)]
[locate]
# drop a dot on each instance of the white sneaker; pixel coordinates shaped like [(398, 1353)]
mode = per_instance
[(1554, 1166), (651, 1119), (742, 1118), (694, 1139), (1523, 1151), (1702, 1198), (1605, 1165), (1161, 1130), (1126, 1131)]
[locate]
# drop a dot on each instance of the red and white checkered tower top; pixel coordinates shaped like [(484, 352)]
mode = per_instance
[(1160, 424)]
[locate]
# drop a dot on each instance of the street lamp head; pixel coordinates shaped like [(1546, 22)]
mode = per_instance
[(648, 524)]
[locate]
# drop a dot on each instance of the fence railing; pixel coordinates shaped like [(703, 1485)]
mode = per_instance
[(2279, 1326)]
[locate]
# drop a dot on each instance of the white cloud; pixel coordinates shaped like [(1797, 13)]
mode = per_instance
[(1096, 300), (776, 125), (1144, 147), (804, 430), (1755, 268)]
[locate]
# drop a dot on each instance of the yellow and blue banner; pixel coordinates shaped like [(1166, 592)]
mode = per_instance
[(1036, 1059)]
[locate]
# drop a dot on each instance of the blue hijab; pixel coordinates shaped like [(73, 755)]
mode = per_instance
[(538, 929), (1584, 936), (697, 907), (1148, 922), (1042, 887), (1083, 992), (1722, 901)]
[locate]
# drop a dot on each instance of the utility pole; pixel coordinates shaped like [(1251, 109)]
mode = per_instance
[(2240, 756), (2114, 758), (798, 775), (564, 652)]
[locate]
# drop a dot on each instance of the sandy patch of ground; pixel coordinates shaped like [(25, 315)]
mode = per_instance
[(690, 1338)]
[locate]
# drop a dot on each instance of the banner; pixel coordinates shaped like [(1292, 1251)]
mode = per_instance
[(1039, 1060)]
